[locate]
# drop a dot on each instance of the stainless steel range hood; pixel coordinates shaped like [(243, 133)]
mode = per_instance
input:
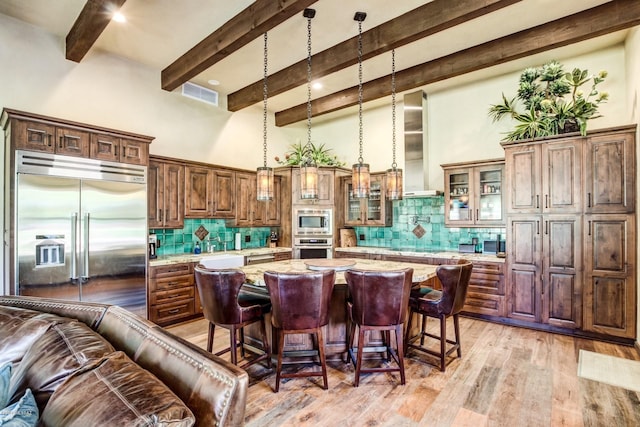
[(416, 175)]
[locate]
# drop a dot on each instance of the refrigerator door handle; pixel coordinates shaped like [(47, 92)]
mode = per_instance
[(74, 246), (85, 246)]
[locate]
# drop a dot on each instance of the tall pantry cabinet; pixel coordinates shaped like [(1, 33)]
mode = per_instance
[(570, 204)]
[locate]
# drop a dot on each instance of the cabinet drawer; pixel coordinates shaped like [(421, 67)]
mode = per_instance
[(167, 313), (166, 283), (163, 297), (481, 303), (280, 256), (170, 270)]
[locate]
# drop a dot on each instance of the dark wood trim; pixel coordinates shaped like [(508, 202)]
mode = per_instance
[(246, 26), (610, 17), (416, 24), (94, 18)]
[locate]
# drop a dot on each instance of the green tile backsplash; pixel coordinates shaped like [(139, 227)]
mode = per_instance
[(178, 241), (428, 212)]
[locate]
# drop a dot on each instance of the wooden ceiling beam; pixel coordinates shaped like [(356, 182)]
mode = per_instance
[(255, 20), (607, 18), (425, 20), (93, 19)]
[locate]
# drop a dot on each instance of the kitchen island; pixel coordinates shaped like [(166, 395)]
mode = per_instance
[(335, 333)]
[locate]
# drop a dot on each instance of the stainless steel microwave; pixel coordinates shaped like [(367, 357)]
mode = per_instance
[(317, 222)]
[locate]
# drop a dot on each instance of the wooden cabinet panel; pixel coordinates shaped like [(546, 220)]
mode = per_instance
[(165, 194), (224, 197), (72, 142), (610, 173), (561, 177), (198, 192), (562, 271), (524, 268), (33, 136), (245, 190), (272, 207), (326, 184), (116, 149), (610, 276), (522, 175)]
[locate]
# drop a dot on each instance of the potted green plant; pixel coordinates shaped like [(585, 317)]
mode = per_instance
[(299, 154), (553, 102)]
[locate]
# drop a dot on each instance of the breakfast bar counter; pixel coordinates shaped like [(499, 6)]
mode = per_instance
[(335, 332)]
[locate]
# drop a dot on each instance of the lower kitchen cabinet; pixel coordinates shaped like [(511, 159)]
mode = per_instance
[(486, 289), (610, 279), (171, 293)]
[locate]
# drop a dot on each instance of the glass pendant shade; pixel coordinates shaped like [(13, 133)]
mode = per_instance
[(308, 181), (265, 183), (394, 184), (360, 180)]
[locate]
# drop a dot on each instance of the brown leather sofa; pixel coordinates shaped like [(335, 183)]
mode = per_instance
[(82, 362)]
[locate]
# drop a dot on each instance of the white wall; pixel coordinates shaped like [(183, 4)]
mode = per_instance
[(632, 47)]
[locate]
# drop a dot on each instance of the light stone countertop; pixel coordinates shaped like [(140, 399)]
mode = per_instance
[(255, 273), (180, 258), (429, 254)]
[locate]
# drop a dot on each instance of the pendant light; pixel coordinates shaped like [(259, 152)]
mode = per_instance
[(394, 175), (264, 181), (308, 167), (360, 179)]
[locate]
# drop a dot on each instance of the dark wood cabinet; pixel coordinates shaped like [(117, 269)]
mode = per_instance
[(571, 232), (610, 173), (544, 178), (198, 192), (51, 138), (34, 132), (473, 194), (171, 293), (251, 212), (610, 277), (326, 188), (165, 194), (117, 149), (224, 197), (375, 210)]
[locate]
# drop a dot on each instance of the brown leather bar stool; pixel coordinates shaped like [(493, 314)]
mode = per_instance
[(300, 306), (440, 305), (224, 305), (378, 302)]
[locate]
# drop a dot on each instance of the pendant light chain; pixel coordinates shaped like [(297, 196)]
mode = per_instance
[(393, 105), (360, 159), (308, 83), (264, 111)]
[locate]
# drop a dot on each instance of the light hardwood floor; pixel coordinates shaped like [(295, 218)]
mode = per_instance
[(507, 377)]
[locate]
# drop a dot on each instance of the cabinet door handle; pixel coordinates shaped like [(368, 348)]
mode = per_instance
[(537, 201), (589, 199), (159, 214), (477, 215), (115, 151), (546, 201), (60, 142), (589, 228), (546, 228), (174, 311), (49, 137), (537, 227)]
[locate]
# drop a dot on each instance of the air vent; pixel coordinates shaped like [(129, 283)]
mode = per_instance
[(200, 93)]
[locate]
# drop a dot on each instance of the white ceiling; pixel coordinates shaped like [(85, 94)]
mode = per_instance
[(160, 31)]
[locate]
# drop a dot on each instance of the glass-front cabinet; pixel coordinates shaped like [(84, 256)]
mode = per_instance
[(473, 193), (374, 210)]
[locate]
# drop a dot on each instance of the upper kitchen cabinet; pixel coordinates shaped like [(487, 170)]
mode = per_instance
[(250, 212), (375, 210), (34, 132), (473, 193), (198, 192), (166, 184), (117, 149), (610, 172), (224, 186), (544, 178), (326, 184)]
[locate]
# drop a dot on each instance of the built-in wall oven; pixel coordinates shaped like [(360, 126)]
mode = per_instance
[(312, 222), (313, 247)]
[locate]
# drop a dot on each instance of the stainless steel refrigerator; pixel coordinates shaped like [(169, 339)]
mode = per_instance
[(81, 230)]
